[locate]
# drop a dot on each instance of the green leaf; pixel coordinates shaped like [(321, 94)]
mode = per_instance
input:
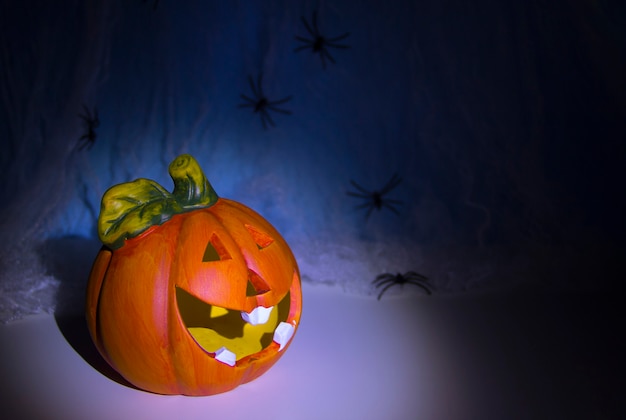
[(129, 209)]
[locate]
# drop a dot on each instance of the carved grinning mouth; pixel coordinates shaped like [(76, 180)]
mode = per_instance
[(230, 335)]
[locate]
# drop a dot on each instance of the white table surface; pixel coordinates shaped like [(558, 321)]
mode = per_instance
[(507, 355)]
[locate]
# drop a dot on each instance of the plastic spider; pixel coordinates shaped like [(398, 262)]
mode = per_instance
[(261, 104), (91, 123), (319, 44), (387, 280), (375, 198)]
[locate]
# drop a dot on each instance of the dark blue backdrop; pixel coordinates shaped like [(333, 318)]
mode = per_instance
[(505, 121)]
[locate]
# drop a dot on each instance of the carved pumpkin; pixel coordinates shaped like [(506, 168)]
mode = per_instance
[(191, 294)]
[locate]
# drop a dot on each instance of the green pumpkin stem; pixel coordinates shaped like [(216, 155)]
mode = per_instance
[(191, 187)]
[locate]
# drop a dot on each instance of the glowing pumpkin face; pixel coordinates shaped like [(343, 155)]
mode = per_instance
[(204, 300)]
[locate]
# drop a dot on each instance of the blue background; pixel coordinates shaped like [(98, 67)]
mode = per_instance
[(505, 120)]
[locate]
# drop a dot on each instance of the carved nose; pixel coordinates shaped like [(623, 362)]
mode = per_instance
[(256, 285), (215, 250)]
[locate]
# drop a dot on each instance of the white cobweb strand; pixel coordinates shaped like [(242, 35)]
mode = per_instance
[(34, 293)]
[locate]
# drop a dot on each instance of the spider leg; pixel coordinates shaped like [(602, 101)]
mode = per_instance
[(412, 275), (280, 101), (391, 184), (87, 113), (382, 278), (384, 282), (90, 144), (282, 111), (253, 88), (323, 59), (260, 86), (263, 121), (358, 195), (308, 41), (251, 101), (367, 205), (84, 141), (360, 188), (266, 115), (325, 52), (364, 205), (306, 25), (418, 284), (308, 44), (390, 207), (384, 290), (314, 23), (332, 44), (338, 38), (86, 117)]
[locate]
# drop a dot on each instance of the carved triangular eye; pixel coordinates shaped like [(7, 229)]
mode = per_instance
[(215, 250), (256, 284), (262, 239)]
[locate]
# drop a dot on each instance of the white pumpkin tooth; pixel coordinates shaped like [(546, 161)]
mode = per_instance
[(258, 316), (283, 334), (226, 356)]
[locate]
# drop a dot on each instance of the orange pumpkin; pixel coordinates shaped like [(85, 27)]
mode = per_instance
[(191, 294)]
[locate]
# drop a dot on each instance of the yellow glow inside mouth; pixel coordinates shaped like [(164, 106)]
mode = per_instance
[(214, 327), (251, 342)]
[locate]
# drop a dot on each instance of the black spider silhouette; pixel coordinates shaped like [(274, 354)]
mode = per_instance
[(91, 123), (375, 198), (319, 44), (261, 104), (387, 280)]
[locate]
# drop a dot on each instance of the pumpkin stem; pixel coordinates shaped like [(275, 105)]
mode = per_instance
[(191, 187)]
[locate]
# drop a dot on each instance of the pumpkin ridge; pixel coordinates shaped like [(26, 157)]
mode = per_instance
[(181, 372)]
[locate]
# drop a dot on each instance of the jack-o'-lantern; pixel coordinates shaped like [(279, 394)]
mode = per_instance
[(191, 294)]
